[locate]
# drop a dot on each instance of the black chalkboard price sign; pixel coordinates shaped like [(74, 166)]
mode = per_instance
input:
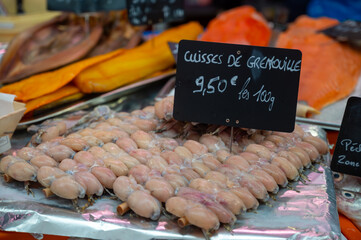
[(82, 6), (147, 12), (347, 155), (237, 85)]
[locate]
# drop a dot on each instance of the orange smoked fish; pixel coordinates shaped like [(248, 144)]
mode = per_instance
[(330, 69), (241, 25)]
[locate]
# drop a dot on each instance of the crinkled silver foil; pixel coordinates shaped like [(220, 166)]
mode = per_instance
[(308, 211)]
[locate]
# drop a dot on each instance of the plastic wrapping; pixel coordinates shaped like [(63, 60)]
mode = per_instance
[(307, 211)]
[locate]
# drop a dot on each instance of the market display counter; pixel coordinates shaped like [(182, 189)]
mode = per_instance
[(132, 78), (307, 209)]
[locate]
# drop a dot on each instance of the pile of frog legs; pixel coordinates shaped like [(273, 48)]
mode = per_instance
[(149, 160)]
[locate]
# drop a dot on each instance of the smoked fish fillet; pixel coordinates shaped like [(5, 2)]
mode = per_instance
[(48, 82), (241, 25), (329, 69), (65, 91), (136, 63)]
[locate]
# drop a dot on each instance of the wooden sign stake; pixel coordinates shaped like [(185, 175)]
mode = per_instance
[(230, 145)]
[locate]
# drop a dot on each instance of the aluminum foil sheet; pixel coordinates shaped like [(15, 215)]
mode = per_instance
[(308, 211)]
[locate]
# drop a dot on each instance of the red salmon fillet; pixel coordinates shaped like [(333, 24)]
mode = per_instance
[(241, 25), (329, 69)]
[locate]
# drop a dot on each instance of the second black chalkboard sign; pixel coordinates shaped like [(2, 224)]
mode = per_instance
[(83, 6), (347, 154), (237, 85), (147, 12)]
